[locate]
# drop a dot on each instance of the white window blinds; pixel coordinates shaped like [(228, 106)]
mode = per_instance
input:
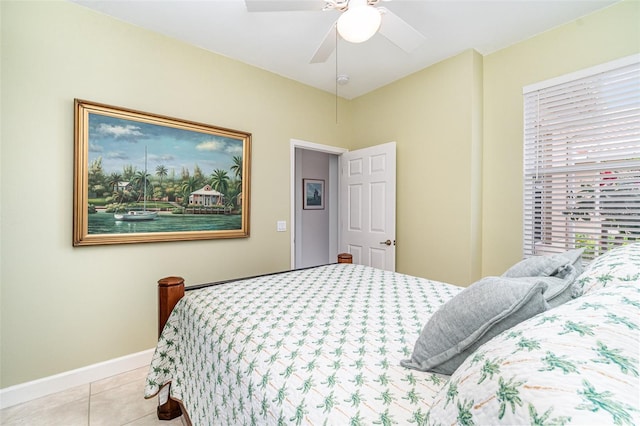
[(582, 161)]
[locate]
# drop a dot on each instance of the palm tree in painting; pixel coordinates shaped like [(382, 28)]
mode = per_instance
[(121, 196), (114, 180), (128, 171), (231, 197), (95, 168), (220, 181), (237, 166), (188, 186), (197, 173), (184, 174), (140, 179), (161, 172)]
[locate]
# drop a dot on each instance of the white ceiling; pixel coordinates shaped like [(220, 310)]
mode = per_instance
[(284, 42)]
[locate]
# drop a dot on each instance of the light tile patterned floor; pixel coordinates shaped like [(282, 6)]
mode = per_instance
[(115, 401)]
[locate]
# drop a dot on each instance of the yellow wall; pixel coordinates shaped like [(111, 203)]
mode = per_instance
[(457, 125), (601, 37), (64, 307), (433, 116)]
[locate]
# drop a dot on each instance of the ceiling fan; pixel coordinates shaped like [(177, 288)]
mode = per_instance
[(359, 21)]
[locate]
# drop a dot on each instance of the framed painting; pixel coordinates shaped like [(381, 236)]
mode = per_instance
[(313, 194), (141, 177)]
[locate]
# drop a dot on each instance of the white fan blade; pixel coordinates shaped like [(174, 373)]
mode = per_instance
[(399, 32), (327, 46), (284, 5)]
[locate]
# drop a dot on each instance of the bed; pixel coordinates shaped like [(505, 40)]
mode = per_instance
[(338, 345)]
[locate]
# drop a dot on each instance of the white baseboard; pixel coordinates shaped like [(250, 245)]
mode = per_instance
[(24, 392)]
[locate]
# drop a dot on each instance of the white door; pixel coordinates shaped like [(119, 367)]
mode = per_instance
[(368, 205)]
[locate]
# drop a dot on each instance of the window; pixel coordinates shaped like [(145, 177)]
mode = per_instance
[(582, 160)]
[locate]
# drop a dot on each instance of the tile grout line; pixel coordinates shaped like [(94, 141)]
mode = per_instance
[(89, 404)]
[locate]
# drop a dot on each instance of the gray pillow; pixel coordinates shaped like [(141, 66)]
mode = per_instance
[(546, 266), (473, 317), (559, 287), (574, 257)]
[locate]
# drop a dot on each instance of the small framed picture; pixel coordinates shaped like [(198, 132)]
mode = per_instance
[(313, 194)]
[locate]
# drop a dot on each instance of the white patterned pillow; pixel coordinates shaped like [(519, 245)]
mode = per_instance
[(619, 266), (576, 364)]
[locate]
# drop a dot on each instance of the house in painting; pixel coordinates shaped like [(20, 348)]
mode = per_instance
[(123, 186), (205, 196)]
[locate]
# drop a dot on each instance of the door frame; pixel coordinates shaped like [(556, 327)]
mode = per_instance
[(311, 146)]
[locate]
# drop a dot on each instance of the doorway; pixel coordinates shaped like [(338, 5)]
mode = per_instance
[(352, 206), (314, 231)]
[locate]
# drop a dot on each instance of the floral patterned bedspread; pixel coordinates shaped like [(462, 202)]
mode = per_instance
[(316, 346)]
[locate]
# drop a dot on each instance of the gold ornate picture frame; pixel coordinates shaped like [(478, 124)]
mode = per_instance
[(141, 177)]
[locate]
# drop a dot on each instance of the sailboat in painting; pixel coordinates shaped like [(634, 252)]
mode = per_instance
[(139, 215)]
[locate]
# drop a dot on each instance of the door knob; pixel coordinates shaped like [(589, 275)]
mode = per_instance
[(388, 242)]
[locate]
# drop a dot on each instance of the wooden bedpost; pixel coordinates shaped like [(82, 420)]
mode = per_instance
[(170, 291), (345, 258)]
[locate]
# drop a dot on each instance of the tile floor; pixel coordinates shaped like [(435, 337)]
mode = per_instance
[(92, 405)]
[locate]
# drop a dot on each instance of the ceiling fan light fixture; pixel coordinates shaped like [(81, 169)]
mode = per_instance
[(359, 23)]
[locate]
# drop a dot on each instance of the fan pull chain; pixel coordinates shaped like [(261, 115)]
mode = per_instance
[(336, 79)]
